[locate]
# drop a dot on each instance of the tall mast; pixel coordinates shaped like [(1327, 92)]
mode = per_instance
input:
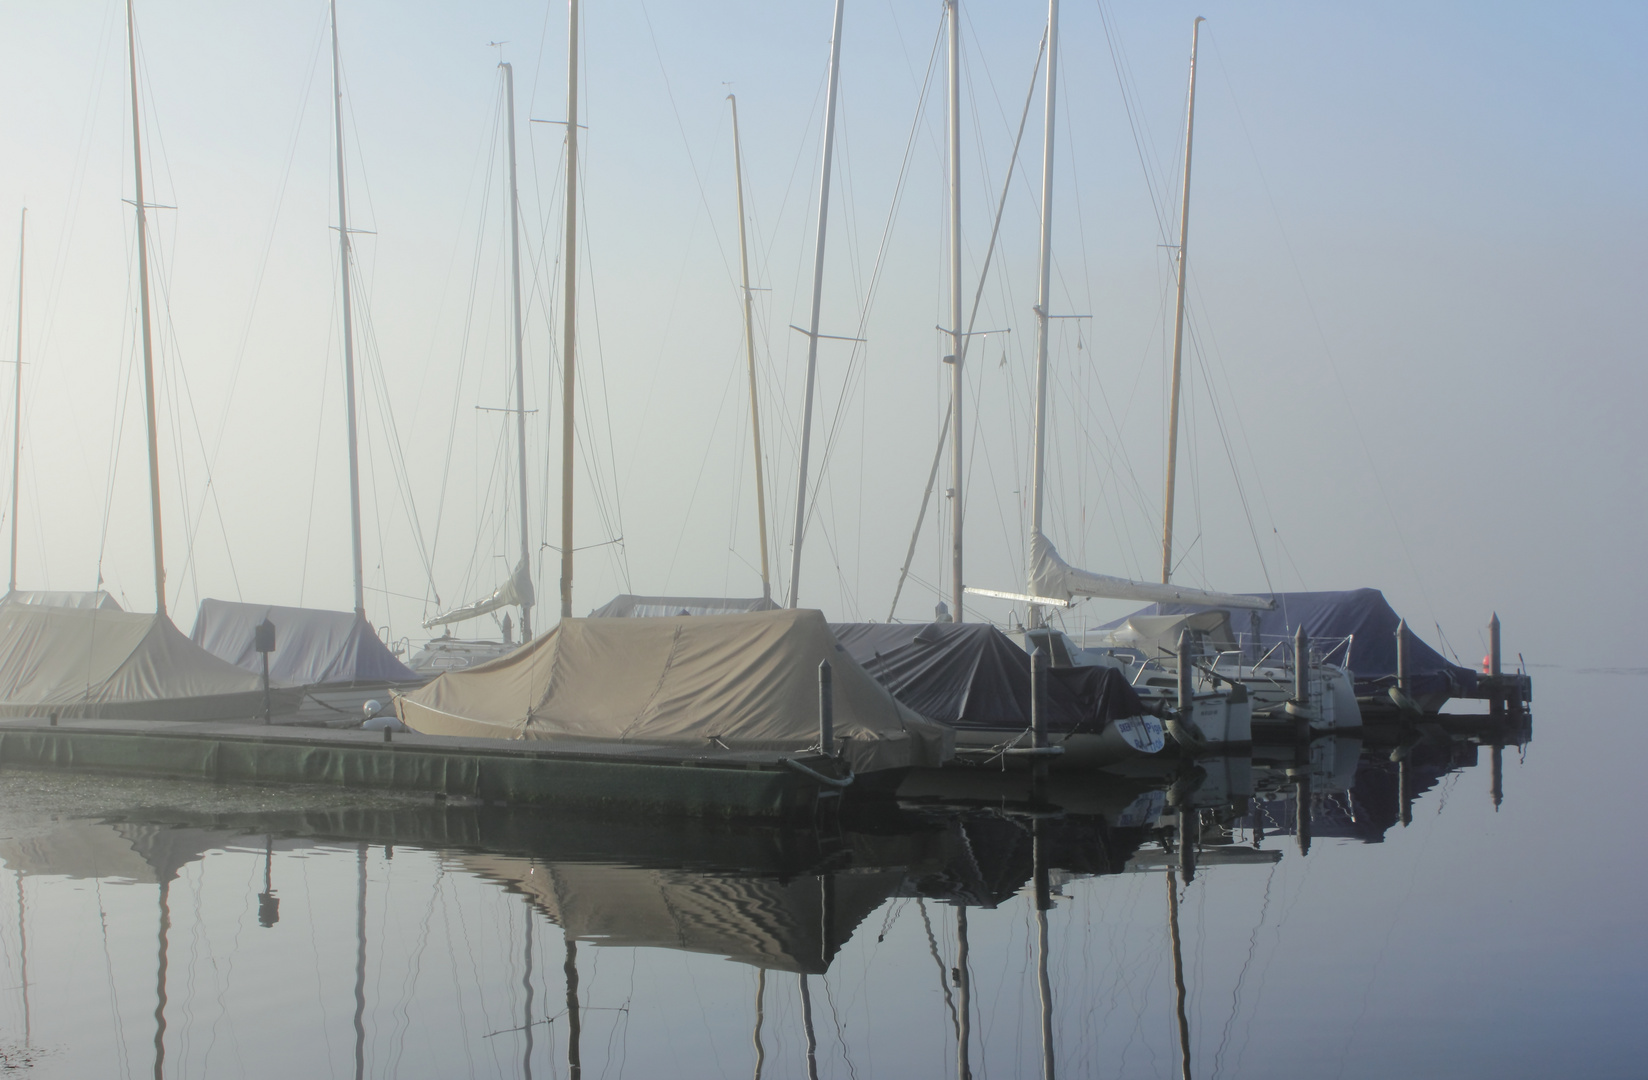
[(17, 404), (1178, 316), (520, 379), (569, 342), (749, 350), (818, 295), (348, 330), (148, 345), (1044, 289), (957, 338)]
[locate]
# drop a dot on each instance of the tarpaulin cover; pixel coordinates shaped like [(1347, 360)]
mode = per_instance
[(1361, 612), (311, 646), (117, 664), (59, 598), (971, 675), (782, 924), (742, 682), (626, 606)]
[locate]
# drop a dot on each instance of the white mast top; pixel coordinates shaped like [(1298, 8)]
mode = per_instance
[(148, 345), (348, 330), (818, 294)]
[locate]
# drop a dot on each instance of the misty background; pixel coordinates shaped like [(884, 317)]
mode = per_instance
[(1416, 264)]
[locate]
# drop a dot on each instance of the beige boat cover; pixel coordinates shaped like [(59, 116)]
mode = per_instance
[(743, 682), (778, 924), (118, 665)]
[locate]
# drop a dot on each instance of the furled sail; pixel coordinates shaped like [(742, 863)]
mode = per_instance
[(517, 590), (1052, 577)]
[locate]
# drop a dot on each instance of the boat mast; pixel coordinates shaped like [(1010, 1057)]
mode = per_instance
[(520, 380), (957, 338), (749, 351), (1178, 317), (348, 330), (1044, 294), (570, 315), (17, 404), (148, 345), (818, 295)]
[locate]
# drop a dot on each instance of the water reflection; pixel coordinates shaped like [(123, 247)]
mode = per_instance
[(478, 940)]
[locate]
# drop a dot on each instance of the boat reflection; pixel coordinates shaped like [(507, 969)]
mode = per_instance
[(782, 901)]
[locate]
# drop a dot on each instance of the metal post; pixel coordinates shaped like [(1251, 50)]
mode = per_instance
[(1044, 292), (1402, 656), (17, 402), (957, 340), (826, 709), (348, 331), (520, 362), (1496, 704), (1178, 317), (1187, 696), (569, 312), (148, 345), (1038, 690), (749, 350), (266, 709), (818, 297), (1301, 667)]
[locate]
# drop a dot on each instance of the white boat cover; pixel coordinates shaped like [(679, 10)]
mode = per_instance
[(1055, 579), (312, 647), (1157, 636), (59, 598), (516, 591), (627, 606), (781, 924), (743, 682), (118, 665)]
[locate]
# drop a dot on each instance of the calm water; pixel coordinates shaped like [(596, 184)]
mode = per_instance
[(186, 930)]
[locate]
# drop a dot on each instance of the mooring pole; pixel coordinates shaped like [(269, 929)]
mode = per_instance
[(1402, 657), (1496, 704), (1038, 721), (1301, 667), (1496, 764), (826, 709), (1404, 788), (1187, 693)]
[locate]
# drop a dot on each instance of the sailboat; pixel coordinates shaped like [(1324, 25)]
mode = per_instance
[(90, 660), (316, 648), (448, 653), (1217, 717)]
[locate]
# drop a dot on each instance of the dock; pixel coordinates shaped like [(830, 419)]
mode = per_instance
[(627, 778)]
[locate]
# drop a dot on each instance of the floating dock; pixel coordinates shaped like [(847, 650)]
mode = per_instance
[(605, 776)]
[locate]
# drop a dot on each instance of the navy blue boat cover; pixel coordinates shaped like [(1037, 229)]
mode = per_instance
[(971, 675), (1362, 612), (311, 646)]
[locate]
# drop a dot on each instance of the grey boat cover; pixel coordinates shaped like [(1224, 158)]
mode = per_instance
[(61, 598), (971, 675), (627, 606), (744, 682), (1053, 578), (781, 924), (118, 665), (312, 646)]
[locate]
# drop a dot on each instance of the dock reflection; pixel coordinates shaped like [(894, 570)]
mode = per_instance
[(780, 901)]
